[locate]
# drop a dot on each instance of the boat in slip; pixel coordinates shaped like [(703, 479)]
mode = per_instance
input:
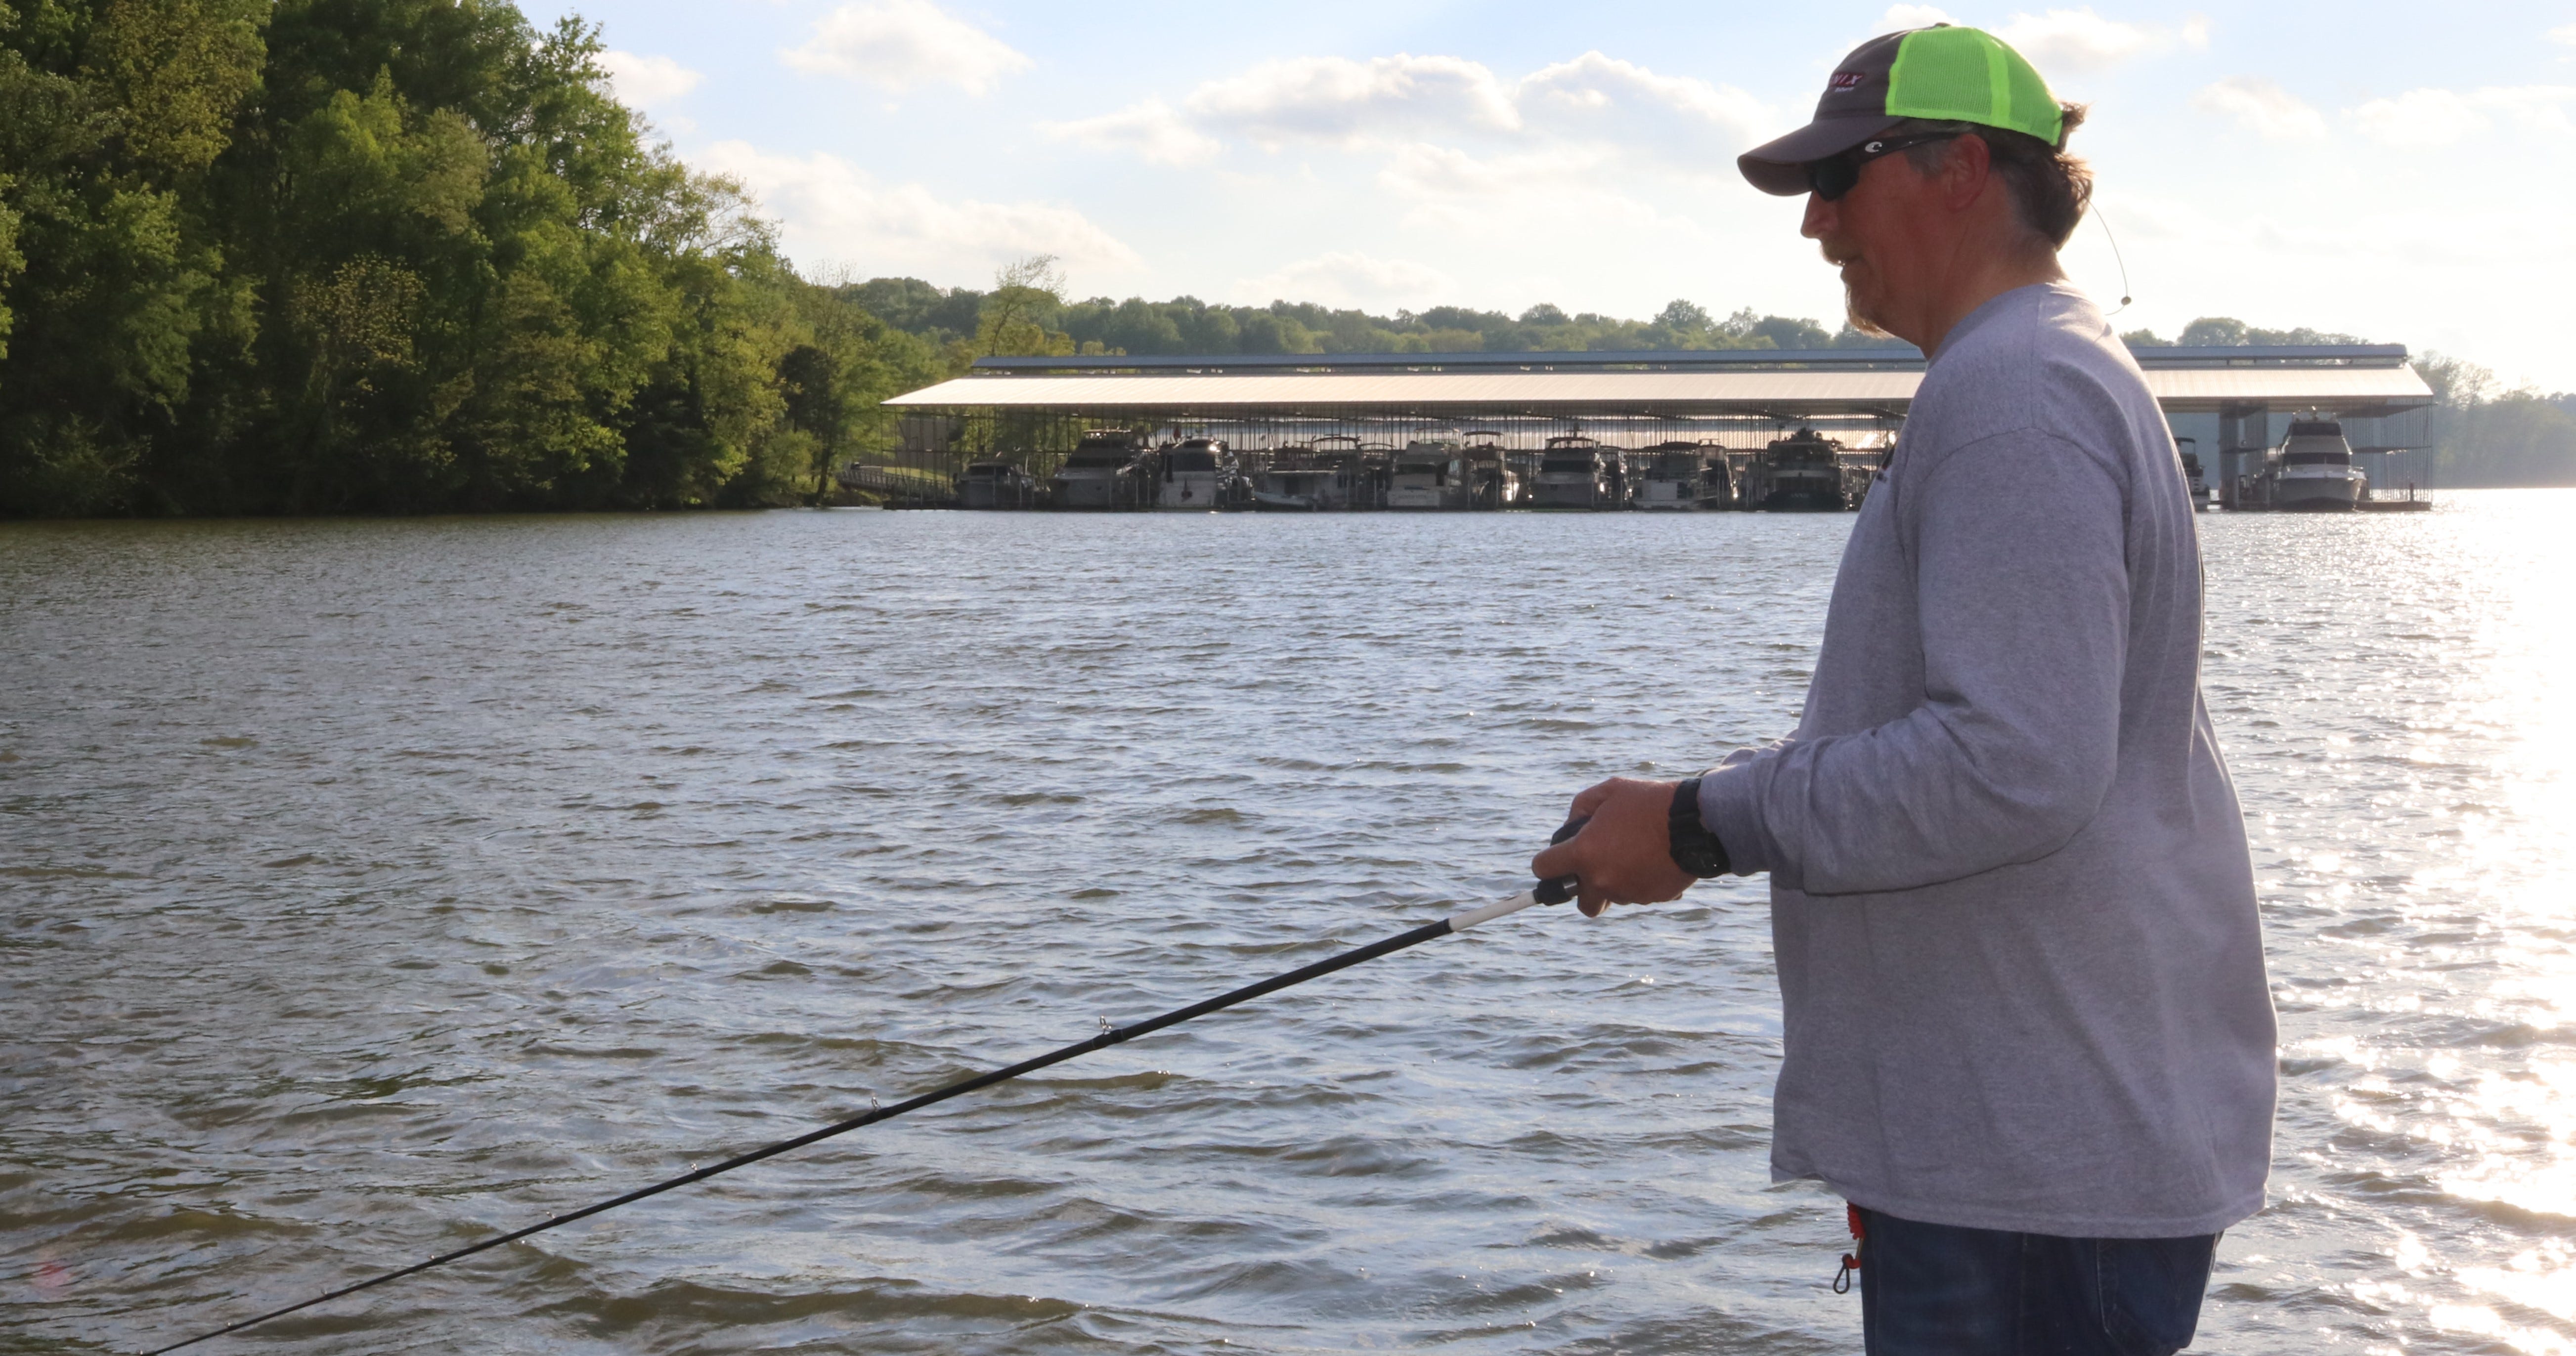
[(1575, 472), (1109, 469), (1489, 471), (996, 484), (2314, 472), (1311, 479), (1802, 473), (1198, 475), (1430, 473), (2193, 476), (1680, 475)]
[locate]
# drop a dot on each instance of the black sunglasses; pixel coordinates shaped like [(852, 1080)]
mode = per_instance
[(1835, 175)]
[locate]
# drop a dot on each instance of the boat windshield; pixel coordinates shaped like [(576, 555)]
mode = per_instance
[(1412, 467), (1580, 465), (1097, 461), (2318, 458), (1192, 459)]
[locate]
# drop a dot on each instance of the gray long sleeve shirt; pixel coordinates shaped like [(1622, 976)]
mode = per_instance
[(2020, 968)]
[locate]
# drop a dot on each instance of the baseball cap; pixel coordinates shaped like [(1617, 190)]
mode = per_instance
[(1942, 73)]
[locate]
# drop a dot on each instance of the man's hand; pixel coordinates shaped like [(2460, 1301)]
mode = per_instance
[(1625, 855)]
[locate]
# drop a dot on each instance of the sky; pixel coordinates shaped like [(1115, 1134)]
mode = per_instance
[(2403, 173)]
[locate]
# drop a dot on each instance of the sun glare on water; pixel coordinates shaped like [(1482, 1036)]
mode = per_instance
[(2441, 871)]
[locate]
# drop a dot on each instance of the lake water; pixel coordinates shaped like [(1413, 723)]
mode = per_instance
[(368, 887)]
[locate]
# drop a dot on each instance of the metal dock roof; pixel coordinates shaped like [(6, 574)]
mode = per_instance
[(2352, 379), (1904, 357)]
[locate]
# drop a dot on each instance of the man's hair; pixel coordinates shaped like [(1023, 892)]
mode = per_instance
[(2050, 189)]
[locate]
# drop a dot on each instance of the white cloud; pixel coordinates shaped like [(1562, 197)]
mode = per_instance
[(1409, 107), (1557, 190), (2542, 108), (2063, 41), (643, 81), (2564, 35), (2261, 107), (1334, 99), (2419, 117), (1347, 279), (2440, 117), (1425, 170), (831, 209), (903, 43), (1627, 103), (1151, 131), (1899, 18), (2078, 40)]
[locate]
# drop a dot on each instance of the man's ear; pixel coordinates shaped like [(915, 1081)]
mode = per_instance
[(1965, 170)]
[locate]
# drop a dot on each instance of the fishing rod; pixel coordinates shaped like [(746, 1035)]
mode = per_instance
[(1555, 891)]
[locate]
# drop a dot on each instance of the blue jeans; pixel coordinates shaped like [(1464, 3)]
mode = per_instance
[(1939, 1290)]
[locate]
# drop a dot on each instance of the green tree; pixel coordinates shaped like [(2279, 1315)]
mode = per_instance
[(110, 114), (1791, 333), (1263, 332), (390, 255), (1026, 294), (2218, 331)]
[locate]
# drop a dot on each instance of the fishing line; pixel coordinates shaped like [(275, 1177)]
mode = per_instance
[(1545, 892), (2105, 223)]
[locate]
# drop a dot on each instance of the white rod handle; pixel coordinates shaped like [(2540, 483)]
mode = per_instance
[(1460, 922)]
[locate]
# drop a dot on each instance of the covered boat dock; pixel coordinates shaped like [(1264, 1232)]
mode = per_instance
[(1031, 411)]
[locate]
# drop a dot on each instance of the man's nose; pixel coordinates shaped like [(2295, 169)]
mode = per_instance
[(1820, 218)]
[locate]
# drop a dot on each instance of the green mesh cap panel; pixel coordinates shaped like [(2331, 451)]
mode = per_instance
[(1968, 75)]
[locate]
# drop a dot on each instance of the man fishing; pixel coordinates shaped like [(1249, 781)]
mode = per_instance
[(2026, 1029)]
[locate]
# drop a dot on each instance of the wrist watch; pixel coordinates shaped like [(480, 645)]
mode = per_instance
[(1694, 848)]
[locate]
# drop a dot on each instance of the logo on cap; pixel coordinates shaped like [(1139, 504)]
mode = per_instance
[(1844, 80)]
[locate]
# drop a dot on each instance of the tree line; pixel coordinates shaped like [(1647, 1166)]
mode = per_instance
[(2487, 434), (1031, 292), (401, 256)]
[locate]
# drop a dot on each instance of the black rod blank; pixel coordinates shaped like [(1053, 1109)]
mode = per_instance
[(1548, 892)]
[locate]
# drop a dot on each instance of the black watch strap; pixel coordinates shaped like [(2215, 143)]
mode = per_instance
[(1695, 849)]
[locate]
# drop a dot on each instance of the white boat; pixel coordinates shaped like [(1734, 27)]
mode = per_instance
[(1308, 480), (1574, 472), (1430, 474), (2314, 472), (1107, 470), (1682, 476), (1197, 475)]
